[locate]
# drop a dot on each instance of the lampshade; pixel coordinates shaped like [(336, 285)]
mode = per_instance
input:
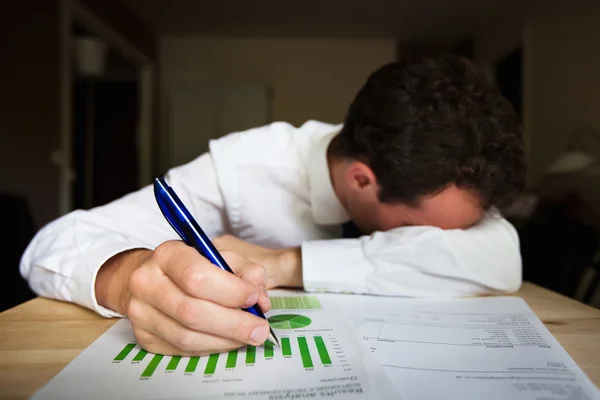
[(571, 162), (580, 156), (90, 56)]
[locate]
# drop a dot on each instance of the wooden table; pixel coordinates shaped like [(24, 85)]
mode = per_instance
[(40, 337)]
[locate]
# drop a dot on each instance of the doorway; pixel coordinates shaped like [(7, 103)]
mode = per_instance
[(105, 113), (106, 118), (509, 78)]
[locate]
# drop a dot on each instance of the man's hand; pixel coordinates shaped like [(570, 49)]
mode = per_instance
[(181, 304), (284, 266)]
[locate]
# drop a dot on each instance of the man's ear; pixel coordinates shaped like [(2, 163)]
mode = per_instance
[(360, 176)]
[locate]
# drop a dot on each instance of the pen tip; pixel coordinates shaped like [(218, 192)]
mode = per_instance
[(273, 339)]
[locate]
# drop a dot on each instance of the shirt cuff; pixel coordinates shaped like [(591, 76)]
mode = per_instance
[(338, 266), (84, 275)]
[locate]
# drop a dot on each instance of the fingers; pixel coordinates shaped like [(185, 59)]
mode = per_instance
[(158, 333), (182, 304), (155, 344), (197, 277), (264, 302), (199, 315), (253, 273), (249, 271)]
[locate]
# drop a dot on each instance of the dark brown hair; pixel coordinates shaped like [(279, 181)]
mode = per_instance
[(427, 122)]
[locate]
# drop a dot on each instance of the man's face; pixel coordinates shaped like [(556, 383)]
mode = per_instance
[(450, 208)]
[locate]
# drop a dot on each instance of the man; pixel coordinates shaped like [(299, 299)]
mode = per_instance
[(427, 154)]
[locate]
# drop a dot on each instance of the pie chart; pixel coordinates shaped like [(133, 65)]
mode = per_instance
[(289, 321)]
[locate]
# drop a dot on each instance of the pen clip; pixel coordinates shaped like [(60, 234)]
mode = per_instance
[(161, 193), (184, 224)]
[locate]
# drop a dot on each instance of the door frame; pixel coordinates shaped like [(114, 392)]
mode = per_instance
[(71, 11)]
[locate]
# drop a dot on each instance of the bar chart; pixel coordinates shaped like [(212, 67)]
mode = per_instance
[(318, 355), (296, 349), (295, 303)]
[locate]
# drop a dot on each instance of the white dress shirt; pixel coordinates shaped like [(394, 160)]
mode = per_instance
[(271, 186)]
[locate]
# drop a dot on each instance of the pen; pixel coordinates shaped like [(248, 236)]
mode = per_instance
[(190, 232)]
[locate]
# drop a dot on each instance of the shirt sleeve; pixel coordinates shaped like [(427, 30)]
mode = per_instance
[(418, 261), (64, 257)]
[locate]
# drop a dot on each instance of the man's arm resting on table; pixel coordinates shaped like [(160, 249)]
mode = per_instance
[(415, 261), (283, 265)]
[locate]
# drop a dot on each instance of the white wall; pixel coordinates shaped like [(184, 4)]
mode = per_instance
[(561, 78), (310, 78)]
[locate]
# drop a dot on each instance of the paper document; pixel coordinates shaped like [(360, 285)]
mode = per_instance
[(483, 348), (320, 357)]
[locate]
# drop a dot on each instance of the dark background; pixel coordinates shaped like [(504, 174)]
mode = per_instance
[(542, 55)]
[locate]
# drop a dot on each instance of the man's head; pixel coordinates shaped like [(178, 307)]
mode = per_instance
[(427, 141)]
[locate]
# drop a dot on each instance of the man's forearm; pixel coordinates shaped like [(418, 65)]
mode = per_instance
[(288, 269), (283, 265), (112, 280)]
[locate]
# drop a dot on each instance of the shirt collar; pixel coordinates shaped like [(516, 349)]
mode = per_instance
[(326, 207)]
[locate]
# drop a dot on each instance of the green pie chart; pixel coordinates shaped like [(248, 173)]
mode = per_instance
[(289, 321)]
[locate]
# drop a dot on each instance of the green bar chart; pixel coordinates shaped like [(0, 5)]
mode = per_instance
[(268, 349), (140, 355), (231, 359), (152, 366), (172, 365), (192, 365), (295, 303), (322, 349), (286, 348), (250, 355), (307, 352), (125, 352), (304, 352), (212, 364)]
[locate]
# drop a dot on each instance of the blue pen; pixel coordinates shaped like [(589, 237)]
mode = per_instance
[(190, 232)]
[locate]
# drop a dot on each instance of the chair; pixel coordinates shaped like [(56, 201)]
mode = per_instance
[(18, 232)]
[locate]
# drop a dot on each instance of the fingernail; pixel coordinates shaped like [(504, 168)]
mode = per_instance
[(252, 299), (259, 335), (266, 299)]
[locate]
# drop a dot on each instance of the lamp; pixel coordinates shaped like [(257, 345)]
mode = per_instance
[(90, 56), (90, 63), (581, 155)]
